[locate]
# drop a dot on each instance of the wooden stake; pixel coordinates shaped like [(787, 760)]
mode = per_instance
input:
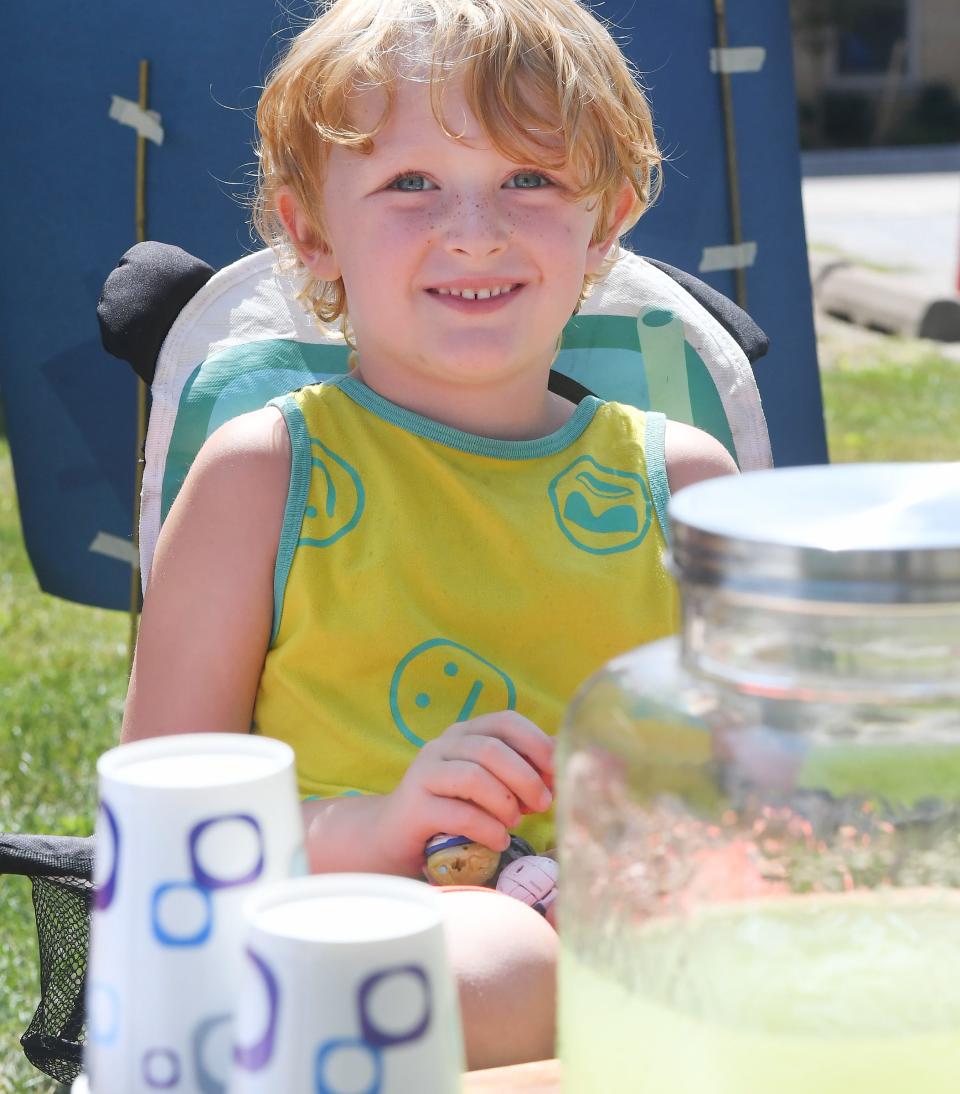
[(140, 216), (733, 178)]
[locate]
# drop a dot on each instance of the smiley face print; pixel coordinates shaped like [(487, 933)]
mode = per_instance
[(338, 492), (441, 682), (600, 509)]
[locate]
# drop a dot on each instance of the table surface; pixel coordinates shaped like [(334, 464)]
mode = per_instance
[(542, 1077)]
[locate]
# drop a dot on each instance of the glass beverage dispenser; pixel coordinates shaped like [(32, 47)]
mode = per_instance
[(760, 819)]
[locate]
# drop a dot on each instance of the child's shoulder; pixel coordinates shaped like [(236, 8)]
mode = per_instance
[(692, 455), (243, 467), (257, 440)]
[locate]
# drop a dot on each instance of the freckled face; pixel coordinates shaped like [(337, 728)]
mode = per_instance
[(460, 266)]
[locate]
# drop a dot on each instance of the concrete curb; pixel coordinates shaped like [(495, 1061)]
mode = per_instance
[(886, 302)]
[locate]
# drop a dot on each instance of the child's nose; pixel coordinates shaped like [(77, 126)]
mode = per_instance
[(476, 227)]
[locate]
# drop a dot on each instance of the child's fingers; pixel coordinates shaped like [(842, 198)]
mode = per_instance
[(507, 766), (473, 783), (519, 733), (466, 819)]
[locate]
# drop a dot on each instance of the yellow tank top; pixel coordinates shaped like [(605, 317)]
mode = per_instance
[(426, 576)]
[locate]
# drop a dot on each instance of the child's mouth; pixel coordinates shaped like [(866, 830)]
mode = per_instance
[(488, 298)]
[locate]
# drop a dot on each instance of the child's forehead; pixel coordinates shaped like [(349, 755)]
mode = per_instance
[(410, 107), (421, 105)]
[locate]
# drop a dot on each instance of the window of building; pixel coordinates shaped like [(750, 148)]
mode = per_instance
[(872, 35)]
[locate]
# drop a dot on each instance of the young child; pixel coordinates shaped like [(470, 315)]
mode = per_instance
[(405, 573)]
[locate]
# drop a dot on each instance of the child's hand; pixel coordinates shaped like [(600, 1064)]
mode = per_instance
[(477, 779)]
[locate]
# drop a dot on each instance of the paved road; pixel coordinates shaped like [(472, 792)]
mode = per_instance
[(903, 220)]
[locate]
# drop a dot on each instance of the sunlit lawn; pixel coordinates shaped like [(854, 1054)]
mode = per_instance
[(62, 679), (877, 410), (63, 667)]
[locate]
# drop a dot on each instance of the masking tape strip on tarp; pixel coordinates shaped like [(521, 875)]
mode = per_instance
[(115, 547), (737, 256), (735, 59), (146, 122)]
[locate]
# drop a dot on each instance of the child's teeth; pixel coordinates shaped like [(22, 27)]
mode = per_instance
[(475, 294)]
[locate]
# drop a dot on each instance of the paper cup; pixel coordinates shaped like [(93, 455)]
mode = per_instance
[(188, 825), (347, 988)]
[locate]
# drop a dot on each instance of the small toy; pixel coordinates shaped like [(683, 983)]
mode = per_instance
[(518, 872), (532, 879), (519, 848), (456, 860)]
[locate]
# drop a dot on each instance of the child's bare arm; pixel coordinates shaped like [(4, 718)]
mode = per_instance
[(692, 456), (208, 608), (476, 779)]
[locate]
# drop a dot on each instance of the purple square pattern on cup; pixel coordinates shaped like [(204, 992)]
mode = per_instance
[(210, 881)]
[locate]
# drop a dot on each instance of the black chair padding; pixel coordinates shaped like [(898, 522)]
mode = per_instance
[(142, 297), (47, 856)]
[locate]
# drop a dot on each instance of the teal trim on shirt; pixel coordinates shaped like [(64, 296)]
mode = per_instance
[(469, 442), (300, 456), (657, 468), (327, 797)]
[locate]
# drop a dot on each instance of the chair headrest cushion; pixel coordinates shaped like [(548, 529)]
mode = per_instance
[(141, 299)]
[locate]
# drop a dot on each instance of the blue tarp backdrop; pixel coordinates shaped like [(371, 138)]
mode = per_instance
[(68, 214)]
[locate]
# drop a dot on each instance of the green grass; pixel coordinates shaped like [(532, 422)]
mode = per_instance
[(899, 410), (63, 667), (829, 251), (62, 681)]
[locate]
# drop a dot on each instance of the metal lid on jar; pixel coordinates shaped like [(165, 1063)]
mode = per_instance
[(882, 533)]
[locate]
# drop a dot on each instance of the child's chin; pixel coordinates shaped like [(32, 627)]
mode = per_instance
[(496, 360)]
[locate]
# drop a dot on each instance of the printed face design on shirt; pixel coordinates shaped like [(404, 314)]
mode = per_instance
[(600, 509), (441, 682), (336, 498)]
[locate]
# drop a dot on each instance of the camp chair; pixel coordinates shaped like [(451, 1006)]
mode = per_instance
[(217, 345)]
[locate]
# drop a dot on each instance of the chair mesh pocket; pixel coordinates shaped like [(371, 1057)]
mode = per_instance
[(53, 1041), (60, 871)]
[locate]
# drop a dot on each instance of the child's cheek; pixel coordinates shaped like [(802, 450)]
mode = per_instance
[(411, 230)]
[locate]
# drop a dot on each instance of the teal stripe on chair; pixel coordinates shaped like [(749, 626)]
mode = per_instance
[(236, 381)]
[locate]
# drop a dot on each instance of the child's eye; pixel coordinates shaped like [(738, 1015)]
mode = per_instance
[(527, 180), (411, 182)]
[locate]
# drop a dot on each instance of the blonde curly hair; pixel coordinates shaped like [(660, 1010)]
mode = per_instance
[(528, 67)]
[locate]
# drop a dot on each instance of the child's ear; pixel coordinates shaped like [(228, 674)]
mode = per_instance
[(597, 252), (315, 254)]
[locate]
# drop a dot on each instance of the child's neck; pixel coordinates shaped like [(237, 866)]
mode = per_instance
[(522, 410)]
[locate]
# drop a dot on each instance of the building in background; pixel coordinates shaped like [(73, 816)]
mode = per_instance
[(877, 72)]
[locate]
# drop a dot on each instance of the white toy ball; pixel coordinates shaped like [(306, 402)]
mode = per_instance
[(532, 879)]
